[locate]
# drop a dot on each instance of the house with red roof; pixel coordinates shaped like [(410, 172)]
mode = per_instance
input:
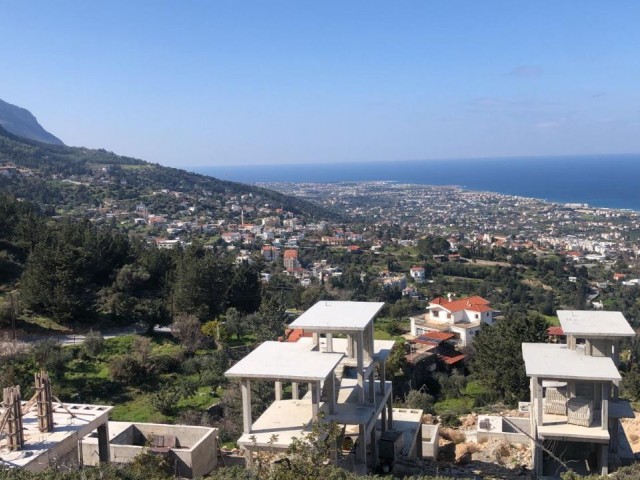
[(461, 317)]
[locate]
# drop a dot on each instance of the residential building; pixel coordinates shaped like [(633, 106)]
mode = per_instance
[(575, 410), (417, 273), (462, 317), (270, 253), (290, 259), (343, 368)]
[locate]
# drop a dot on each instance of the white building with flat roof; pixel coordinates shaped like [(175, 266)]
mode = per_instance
[(575, 409), (343, 369)]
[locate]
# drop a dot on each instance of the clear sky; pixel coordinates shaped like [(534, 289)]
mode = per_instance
[(191, 83)]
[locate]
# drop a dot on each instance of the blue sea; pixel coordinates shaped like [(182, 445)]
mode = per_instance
[(603, 181)]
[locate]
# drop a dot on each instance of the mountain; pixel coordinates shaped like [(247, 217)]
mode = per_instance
[(66, 179), (21, 122)]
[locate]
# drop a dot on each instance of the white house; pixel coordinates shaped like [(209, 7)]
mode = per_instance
[(461, 317), (417, 273)]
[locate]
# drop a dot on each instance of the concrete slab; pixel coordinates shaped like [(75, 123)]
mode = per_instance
[(336, 316), (58, 446), (556, 361), (285, 361), (283, 421), (592, 324), (555, 427)]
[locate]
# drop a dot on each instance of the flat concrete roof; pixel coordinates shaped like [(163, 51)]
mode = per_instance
[(554, 361), (589, 324), (334, 316), (40, 447), (285, 361)]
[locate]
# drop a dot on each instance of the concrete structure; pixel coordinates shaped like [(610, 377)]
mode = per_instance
[(343, 368), (417, 273), (71, 422), (507, 429), (574, 409), (461, 317), (191, 451)]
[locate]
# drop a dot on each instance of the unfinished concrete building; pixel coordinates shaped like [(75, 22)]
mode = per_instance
[(191, 451), (575, 410), (342, 367)]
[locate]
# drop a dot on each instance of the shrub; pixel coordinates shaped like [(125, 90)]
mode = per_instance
[(93, 343)]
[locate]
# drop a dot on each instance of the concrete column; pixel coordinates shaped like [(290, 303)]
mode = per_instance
[(316, 341), (103, 443), (362, 445), (390, 413), (537, 461), (349, 346), (247, 420), (372, 387), (295, 391), (603, 460), (359, 352), (315, 399), (383, 377), (248, 458), (332, 392), (539, 411), (278, 390), (604, 407), (329, 342), (383, 419), (374, 450)]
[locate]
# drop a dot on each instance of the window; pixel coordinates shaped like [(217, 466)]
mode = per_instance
[(477, 316), (448, 315), (434, 313)]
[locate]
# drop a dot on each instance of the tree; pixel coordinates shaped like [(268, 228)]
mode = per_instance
[(188, 329), (498, 362), (270, 319), (244, 291)]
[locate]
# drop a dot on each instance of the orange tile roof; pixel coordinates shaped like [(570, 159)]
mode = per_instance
[(290, 254), (435, 337), (557, 331), (475, 304), (451, 360)]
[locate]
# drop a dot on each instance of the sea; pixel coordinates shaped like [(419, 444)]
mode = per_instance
[(611, 181)]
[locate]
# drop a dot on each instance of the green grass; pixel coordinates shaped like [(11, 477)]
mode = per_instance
[(43, 322), (552, 320), (458, 406)]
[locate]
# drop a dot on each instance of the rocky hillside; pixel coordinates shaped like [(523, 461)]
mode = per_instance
[(22, 123)]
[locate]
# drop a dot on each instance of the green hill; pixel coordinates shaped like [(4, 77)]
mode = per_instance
[(65, 178)]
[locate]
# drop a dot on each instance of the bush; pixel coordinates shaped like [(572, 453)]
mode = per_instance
[(419, 399), (124, 369), (450, 419), (93, 344), (49, 355)]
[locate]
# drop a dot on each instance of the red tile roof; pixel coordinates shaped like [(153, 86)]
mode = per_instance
[(452, 359), (290, 254), (557, 331), (475, 304)]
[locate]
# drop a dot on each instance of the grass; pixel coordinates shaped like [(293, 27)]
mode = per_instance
[(90, 379), (552, 320), (458, 406)]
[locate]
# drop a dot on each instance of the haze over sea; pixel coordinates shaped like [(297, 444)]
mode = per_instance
[(602, 181)]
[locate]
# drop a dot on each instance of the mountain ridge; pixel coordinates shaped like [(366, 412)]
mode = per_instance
[(23, 123)]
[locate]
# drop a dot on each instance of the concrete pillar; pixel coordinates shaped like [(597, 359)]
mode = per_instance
[(278, 391), (390, 413), (539, 411), (362, 445), (383, 419), (372, 387), (295, 391), (349, 345), (603, 460), (537, 461), (247, 420), (103, 443), (332, 392), (359, 342), (248, 458), (604, 407), (315, 399), (374, 450), (329, 342), (316, 341), (383, 377)]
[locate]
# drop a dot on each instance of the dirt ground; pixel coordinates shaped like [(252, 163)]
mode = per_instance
[(632, 430)]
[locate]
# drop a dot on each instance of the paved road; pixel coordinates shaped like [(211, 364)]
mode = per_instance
[(72, 339)]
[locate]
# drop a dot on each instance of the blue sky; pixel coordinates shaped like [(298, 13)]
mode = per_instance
[(192, 83)]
